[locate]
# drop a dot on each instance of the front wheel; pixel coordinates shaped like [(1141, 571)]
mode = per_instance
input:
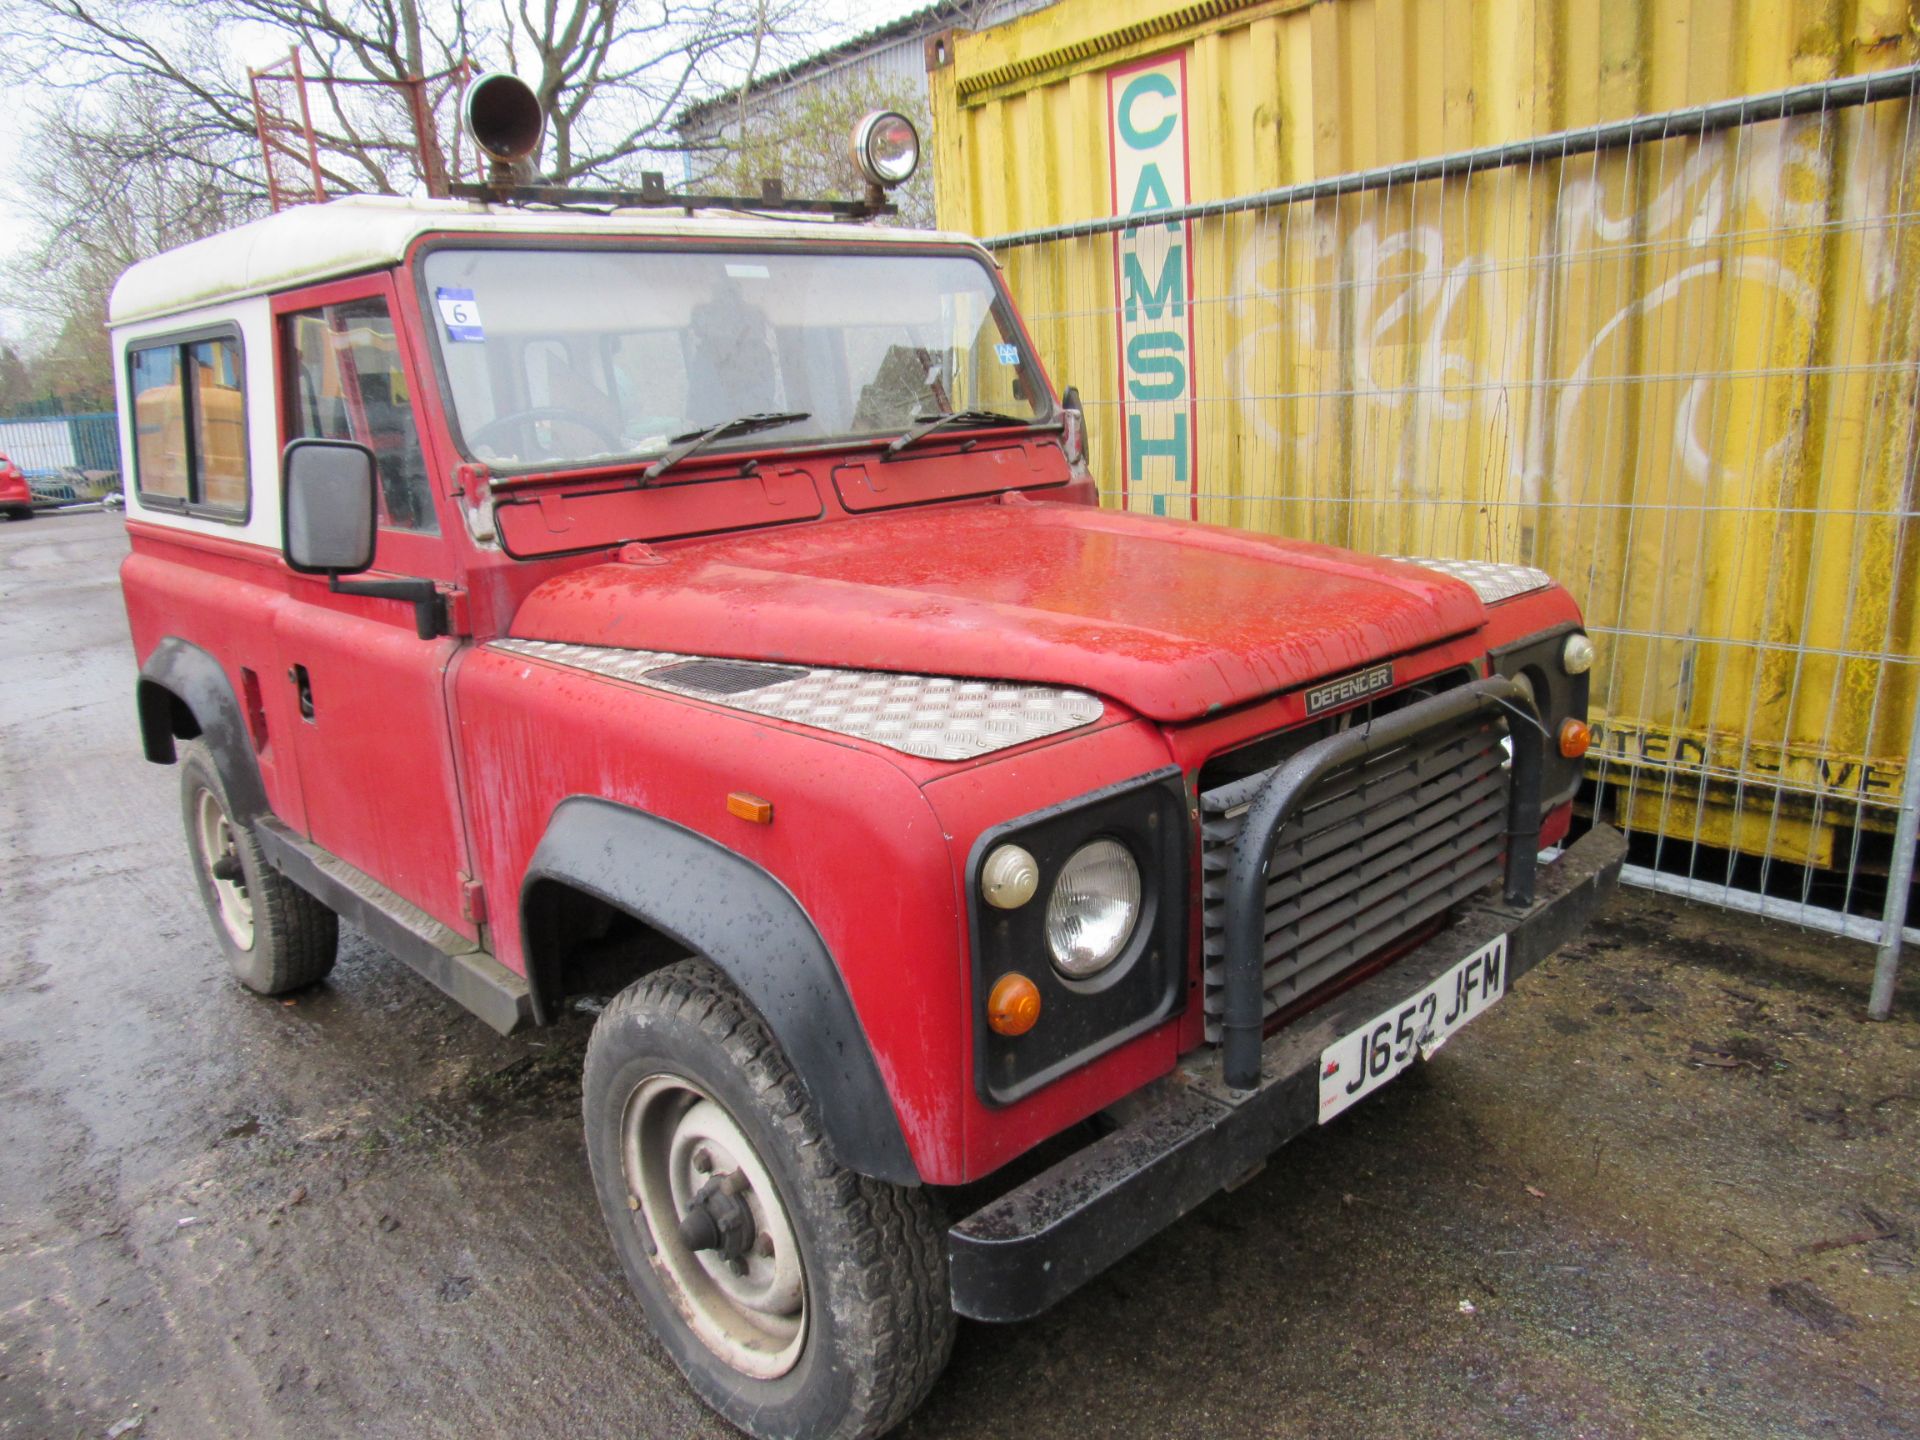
[(798, 1298)]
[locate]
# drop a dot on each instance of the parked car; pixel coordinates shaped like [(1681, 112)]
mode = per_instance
[(16, 499), (714, 611)]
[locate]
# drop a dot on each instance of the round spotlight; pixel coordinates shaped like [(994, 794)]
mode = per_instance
[(503, 116), (886, 148), (1576, 656)]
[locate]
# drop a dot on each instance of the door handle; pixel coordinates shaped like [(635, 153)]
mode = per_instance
[(303, 686)]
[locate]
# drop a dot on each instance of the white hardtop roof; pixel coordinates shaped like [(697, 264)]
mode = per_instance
[(311, 243)]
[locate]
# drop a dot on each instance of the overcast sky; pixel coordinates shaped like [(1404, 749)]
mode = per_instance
[(19, 108)]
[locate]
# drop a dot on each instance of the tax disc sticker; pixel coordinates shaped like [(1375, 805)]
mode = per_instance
[(460, 312)]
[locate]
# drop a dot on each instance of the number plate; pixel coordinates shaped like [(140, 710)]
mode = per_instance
[(1360, 1063)]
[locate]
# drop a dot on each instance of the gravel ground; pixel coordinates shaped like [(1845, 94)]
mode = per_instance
[(1670, 1187)]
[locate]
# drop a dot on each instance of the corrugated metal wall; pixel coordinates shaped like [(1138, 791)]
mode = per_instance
[(894, 65), (1290, 91), (1679, 374)]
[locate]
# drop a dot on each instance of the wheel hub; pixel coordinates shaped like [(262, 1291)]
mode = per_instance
[(719, 1220), (220, 853), (718, 1231)]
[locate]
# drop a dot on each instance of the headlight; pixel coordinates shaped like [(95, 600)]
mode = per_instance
[(1091, 913), (1576, 657)]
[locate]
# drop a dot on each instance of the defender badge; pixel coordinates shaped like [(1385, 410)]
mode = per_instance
[(1349, 688)]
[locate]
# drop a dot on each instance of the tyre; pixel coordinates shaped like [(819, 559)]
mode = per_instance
[(276, 936), (20, 512), (799, 1299)]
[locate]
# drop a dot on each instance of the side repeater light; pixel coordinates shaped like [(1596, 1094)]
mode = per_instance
[(1574, 738), (1009, 878), (750, 808), (1013, 1005)]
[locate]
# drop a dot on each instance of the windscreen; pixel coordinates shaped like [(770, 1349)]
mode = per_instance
[(572, 357)]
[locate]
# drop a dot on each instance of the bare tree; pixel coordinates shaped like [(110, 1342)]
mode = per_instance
[(153, 138), (801, 137), (611, 74), (106, 184)]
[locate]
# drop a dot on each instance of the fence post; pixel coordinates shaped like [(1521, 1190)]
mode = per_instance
[(1899, 883)]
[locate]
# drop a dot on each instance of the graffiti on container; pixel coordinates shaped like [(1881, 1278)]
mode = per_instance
[(1430, 334), (1724, 757)]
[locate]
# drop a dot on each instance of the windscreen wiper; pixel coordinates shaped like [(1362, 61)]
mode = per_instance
[(925, 425), (687, 444)]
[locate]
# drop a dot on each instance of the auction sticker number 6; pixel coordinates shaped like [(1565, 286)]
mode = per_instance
[(460, 313)]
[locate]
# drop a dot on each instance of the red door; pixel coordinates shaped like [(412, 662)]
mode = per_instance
[(373, 744)]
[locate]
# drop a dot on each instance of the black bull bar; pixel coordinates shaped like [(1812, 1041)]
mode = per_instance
[(1207, 1125), (1243, 1017)]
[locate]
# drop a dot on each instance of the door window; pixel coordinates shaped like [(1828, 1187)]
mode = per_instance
[(348, 383)]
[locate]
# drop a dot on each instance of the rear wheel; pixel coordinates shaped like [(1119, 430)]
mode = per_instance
[(276, 936), (20, 512), (798, 1298)]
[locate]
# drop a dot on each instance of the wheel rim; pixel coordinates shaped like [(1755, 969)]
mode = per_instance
[(751, 1311), (219, 844)]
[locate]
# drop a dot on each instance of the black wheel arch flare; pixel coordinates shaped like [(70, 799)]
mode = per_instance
[(723, 907), (179, 672)]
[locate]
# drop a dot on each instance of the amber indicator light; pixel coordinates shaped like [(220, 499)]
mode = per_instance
[(750, 808), (1013, 1005), (1574, 737)]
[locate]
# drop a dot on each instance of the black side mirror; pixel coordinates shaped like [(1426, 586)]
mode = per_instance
[(1073, 428), (328, 524), (327, 500)]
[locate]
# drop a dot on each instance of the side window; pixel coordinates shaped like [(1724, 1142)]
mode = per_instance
[(190, 425), (346, 382), (159, 424), (219, 422)]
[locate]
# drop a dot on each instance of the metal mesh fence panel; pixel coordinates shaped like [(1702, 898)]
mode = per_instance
[(65, 457), (1671, 360)]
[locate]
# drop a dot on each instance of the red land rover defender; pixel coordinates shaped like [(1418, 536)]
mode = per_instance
[(716, 608)]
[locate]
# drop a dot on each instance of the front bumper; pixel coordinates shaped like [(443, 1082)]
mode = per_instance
[(1041, 1241)]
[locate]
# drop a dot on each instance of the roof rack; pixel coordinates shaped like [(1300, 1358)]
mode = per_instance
[(283, 121), (654, 195)]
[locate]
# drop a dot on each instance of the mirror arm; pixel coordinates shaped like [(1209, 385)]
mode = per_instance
[(429, 606)]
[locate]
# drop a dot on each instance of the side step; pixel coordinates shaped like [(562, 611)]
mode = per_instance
[(443, 955)]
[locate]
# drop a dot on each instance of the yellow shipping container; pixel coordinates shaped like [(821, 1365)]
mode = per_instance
[(1679, 374)]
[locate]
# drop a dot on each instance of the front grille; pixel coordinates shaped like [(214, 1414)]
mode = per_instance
[(1375, 849)]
